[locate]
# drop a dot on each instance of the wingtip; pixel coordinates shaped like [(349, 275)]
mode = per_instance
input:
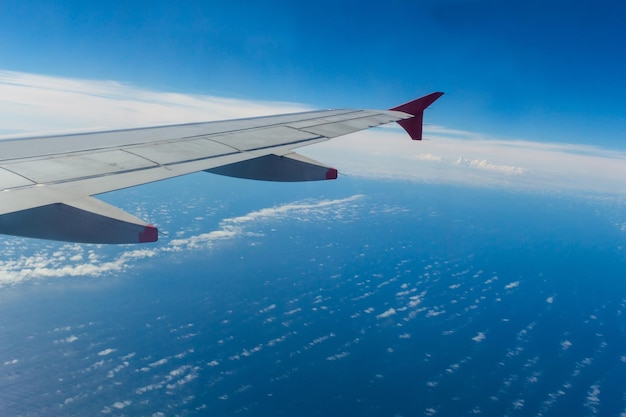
[(413, 125), (418, 105), (149, 234)]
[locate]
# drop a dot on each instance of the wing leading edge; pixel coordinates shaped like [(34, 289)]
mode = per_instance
[(47, 182)]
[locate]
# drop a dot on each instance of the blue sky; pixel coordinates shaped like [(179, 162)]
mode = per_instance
[(535, 70), (534, 91)]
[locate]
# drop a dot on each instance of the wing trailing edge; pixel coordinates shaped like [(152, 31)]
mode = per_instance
[(413, 126), (87, 220)]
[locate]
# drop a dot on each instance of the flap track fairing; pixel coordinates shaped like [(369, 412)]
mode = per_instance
[(86, 221), (291, 167)]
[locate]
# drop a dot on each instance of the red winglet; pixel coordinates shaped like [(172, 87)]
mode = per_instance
[(413, 126), (149, 234)]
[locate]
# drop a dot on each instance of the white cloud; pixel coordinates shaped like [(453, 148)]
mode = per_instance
[(46, 265), (158, 363), (54, 263), (387, 313), (120, 405), (106, 352), (479, 337), (518, 404), (39, 103), (467, 158), (338, 356), (430, 411), (170, 380), (415, 300), (593, 399), (484, 164), (428, 157), (231, 228), (511, 285), (267, 309)]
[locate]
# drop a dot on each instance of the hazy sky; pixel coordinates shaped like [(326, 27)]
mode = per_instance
[(534, 70)]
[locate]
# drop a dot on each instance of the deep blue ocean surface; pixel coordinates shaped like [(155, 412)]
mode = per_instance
[(390, 299)]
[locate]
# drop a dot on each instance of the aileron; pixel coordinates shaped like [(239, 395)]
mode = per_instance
[(9, 179), (263, 137)]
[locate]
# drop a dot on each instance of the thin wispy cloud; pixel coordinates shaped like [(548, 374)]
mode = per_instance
[(466, 159), (236, 226), (428, 157), (32, 103), (484, 164), (73, 260)]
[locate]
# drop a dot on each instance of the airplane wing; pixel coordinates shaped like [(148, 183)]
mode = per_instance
[(47, 183)]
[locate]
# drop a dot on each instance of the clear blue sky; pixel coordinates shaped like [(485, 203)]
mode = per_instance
[(537, 70)]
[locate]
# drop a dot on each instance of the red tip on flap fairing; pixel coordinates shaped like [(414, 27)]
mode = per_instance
[(149, 234), (331, 174), (413, 126)]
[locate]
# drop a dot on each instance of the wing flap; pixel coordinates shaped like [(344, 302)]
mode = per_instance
[(176, 152), (86, 220), (10, 180), (43, 194), (251, 139)]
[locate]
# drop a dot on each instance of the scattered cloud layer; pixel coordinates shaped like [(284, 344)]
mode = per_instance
[(484, 164), (86, 260), (428, 157)]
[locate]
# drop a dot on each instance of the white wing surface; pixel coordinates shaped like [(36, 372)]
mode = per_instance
[(47, 183)]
